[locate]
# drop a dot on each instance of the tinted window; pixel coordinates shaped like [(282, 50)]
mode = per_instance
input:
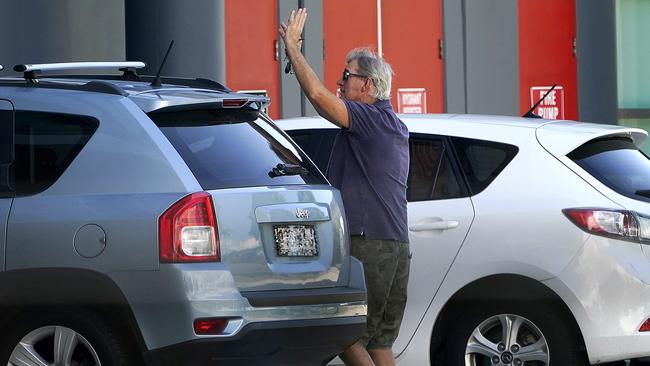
[(45, 144), (317, 144), (431, 173), (6, 148), (6, 135), (617, 163), (482, 161), (232, 148)]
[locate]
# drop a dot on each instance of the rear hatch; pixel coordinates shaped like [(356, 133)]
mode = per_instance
[(280, 224), (608, 157), (610, 160)]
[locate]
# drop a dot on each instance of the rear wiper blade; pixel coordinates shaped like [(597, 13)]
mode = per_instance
[(643, 192), (284, 169)]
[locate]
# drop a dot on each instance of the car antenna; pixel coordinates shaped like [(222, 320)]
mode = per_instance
[(530, 113), (156, 82)]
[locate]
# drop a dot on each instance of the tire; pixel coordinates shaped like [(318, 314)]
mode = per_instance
[(84, 339), (544, 337)]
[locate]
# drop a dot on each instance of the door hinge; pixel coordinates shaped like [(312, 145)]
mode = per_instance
[(575, 47), (441, 48)]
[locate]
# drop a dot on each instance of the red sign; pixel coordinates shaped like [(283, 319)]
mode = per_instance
[(412, 100), (552, 107)]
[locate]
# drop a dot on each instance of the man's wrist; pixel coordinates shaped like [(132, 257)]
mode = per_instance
[(292, 48)]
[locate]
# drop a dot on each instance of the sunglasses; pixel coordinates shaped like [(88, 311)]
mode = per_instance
[(346, 75)]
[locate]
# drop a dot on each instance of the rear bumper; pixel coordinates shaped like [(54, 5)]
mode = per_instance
[(607, 287), (294, 342)]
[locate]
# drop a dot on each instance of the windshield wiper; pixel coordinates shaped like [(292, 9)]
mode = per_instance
[(285, 169)]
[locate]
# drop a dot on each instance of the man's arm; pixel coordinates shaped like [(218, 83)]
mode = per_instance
[(328, 105)]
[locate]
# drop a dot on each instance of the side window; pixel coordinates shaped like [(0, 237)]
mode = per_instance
[(6, 135), (482, 161), (317, 144), (432, 175), (45, 145), (6, 148)]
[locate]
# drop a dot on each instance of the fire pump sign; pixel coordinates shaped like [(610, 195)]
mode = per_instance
[(412, 100), (552, 107)]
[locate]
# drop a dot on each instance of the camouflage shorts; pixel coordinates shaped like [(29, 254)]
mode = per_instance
[(386, 265)]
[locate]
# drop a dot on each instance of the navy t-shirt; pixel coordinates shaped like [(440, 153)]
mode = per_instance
[(369, 165)]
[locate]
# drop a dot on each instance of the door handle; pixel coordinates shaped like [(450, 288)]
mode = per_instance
[(426, 225)]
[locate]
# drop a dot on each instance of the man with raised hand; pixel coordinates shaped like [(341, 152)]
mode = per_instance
[(369, 165)]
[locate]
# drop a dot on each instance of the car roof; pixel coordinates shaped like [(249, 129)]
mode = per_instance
[(559, 137), (149, 93)]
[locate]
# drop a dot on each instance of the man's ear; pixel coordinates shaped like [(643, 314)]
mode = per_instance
[(367, 84)]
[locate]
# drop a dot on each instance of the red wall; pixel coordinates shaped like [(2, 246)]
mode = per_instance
[(411, 30), (251, 32), (346, 25), (546, 32), (410, 33)]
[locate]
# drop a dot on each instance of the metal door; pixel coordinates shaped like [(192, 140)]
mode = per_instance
[(547, 41)]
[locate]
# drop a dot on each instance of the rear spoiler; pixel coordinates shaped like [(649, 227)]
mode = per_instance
[(561, 137), (231, 101)]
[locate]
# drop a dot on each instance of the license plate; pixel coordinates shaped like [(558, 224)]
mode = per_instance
[(295, 241)]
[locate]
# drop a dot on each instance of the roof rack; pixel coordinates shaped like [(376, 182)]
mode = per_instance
[(200, 83), (128, 68)]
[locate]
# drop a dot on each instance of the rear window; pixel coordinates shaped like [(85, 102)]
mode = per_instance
[(618, 164), (233, 148), (482, 161)]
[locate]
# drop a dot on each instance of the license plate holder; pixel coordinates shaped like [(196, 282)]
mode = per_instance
[(295, 241)]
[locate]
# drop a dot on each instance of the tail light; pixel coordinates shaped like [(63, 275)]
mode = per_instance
[(620, 224), (188, 231), (234, 103), (645, 326)]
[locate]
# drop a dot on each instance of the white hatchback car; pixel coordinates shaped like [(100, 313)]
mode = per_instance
[(528, 240)]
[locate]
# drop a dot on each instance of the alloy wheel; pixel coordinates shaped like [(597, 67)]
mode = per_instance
[(54, 346), (507, 340)]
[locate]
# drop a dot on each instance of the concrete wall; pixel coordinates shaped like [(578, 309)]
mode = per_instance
[(481, 56), (196, 27), (596, 48), (40, 31)]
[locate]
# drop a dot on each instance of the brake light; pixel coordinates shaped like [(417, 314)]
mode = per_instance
[(627, 225), (234, 103), (188, 231)]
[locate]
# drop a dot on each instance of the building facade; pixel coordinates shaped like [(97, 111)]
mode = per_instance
[(449, 56)]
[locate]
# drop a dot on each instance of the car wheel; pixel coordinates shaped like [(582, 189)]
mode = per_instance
[(527, 335), (63, 338)]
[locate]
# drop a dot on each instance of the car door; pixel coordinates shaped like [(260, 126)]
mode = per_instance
[(6, 159), (440, 214)]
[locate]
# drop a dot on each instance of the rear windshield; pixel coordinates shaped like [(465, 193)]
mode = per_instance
[(618, 164), (234, 148)]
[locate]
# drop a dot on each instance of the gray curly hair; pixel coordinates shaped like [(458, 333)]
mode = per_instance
[(374, 66)]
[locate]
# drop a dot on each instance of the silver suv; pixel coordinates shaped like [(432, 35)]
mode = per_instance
[(163, 223)]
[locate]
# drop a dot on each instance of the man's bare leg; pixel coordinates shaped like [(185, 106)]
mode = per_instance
[(357, 355), (382, 356)]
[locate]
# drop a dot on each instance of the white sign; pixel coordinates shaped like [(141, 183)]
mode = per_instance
[(412, 100), (552, 107)]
